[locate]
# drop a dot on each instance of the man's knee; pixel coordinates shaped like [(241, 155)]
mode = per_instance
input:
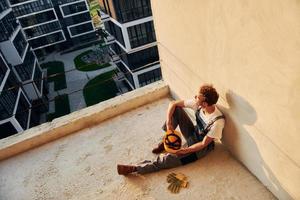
[(178, 110)]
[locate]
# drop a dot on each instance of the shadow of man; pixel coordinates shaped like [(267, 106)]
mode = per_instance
[(240, 142)]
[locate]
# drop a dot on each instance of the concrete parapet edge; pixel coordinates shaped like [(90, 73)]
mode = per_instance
[(81, 119)]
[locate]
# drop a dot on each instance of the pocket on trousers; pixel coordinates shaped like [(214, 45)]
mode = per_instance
[(189, 158)]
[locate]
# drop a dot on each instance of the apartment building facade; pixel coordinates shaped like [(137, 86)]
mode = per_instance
[(21, 78), (134, 48), (54, 24)]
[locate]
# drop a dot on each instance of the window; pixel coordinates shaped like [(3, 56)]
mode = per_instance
[(46, 40), (3, 5), (8, 25), (17, 1), (22, 112), (141, 34), (76, 19), (37, 18), (132, 10), (42, 29), (126, 73), (149, 77), (3, 69), (76, 30), (32, 7), (139, 59), (8, 97), (20, 43), (38, 78), (25, 69), (84, 38), (74, 8), (116, 31)]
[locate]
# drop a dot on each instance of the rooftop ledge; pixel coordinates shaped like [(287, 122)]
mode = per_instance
[(81, 119), (121, 130)]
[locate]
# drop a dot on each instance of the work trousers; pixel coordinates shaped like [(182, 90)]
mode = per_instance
[(168, 160)]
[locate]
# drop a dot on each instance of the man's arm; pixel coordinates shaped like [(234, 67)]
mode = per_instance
[(170, 111), (195, 147)]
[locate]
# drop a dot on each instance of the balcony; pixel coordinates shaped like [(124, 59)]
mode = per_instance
[(82, 165), (109, 39), (19, 2), (15, 48), (113, 56), (48, 40), (73, 8), (32, 8), (103, 15)]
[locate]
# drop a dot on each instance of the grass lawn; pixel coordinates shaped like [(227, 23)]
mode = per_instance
[(94, 6), (62, 107), (83, 66), (99, 89), (53, 72)]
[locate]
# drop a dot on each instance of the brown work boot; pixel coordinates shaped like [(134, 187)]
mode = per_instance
[(126, 169), (159, 149)]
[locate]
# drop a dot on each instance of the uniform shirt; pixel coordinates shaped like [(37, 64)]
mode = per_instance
[(217, 128)]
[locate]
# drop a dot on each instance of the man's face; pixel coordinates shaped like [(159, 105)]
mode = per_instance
[(200, 99)]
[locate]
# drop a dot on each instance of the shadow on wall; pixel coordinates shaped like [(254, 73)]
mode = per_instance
[(240, 143)]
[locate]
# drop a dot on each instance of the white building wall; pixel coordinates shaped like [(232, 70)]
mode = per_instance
[(249, 50)]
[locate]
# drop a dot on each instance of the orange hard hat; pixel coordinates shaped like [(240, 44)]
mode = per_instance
[(172, 141)]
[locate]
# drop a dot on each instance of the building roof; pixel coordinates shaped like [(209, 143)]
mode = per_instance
[(83, 165)]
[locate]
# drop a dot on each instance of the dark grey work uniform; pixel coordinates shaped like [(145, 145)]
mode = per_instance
[(191, 135)]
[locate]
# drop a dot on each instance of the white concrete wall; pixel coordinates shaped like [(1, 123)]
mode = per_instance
[(250, 51)]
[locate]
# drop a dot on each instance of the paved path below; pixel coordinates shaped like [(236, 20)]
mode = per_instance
[(76, 80)]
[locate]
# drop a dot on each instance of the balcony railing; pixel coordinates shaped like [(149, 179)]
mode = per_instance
[(3, 6), (41, 30), (103, 15), (25, 70), (14, 2), (61, 2), (39, 18), (47, 40), (32, 7), (8, 25)]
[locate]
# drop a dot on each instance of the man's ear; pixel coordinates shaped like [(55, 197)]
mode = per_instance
[(205, 104)]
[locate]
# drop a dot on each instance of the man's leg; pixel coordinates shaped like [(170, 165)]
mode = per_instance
[(166, 161), (163, 161), (186, 126), (181, 119)]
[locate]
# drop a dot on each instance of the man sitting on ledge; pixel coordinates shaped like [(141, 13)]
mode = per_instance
[(200, 138)]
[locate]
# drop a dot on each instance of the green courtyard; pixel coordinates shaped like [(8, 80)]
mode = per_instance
[(56, 74), (62, 107), (82, 65), (100, 89)]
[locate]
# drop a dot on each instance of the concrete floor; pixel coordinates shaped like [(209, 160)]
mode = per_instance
[(83, 166)]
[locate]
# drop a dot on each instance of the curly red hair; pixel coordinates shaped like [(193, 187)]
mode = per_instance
[(210, 94)]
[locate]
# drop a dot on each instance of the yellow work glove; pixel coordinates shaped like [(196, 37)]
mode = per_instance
[(176, 181)]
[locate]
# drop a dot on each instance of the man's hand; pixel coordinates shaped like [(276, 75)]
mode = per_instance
[(183, 151)]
